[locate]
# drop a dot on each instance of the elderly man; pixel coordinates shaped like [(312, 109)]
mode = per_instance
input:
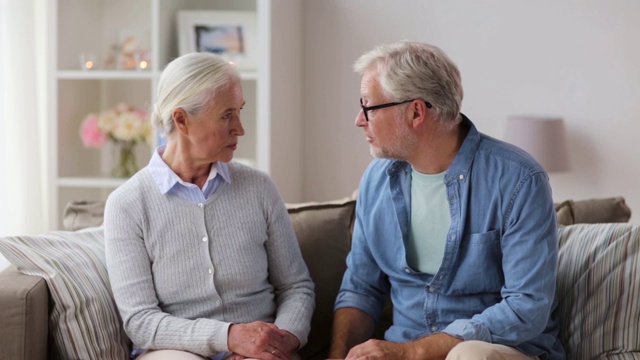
[(456, 227)]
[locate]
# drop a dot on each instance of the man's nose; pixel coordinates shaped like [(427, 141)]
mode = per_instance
[(360, 119)]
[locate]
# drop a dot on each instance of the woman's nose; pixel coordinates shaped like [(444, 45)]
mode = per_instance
[(238, 129)]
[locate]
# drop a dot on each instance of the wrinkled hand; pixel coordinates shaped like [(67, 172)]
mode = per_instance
[(261, 340), (235, 357), (378, 349)]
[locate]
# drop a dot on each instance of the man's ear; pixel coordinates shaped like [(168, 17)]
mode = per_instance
[(418, 110), (180, 120)]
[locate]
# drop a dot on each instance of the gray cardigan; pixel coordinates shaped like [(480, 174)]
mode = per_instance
[(181, 273)]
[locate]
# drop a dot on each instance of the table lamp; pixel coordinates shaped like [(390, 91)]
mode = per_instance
[(542, 137)]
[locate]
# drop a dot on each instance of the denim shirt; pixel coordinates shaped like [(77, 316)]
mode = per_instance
[(498, 274)]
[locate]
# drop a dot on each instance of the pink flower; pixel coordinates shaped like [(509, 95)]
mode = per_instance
[(121, 108), (121, 123), (90, 132), (140, 113)]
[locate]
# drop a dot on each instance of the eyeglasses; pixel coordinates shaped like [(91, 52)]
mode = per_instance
[(382, 106)]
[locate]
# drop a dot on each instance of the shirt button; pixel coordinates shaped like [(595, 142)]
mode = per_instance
[(461, 177), (407, 270), (218, 302), (205, 239), (431, 289), (200, 205), (210, 271), (434, 328)]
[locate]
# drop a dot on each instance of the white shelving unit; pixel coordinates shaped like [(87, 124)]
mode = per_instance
[(91, 26)]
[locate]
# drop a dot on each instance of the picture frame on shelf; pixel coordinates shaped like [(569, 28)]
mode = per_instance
[(229, 34)]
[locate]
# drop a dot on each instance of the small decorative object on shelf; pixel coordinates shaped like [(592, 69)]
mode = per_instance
[(88, 61), (142, 60), (125, 126), (126, 53)]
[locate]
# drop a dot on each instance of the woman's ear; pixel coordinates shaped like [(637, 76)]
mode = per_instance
[(180, 120)]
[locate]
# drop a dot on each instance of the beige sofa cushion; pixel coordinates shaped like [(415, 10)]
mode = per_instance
[(324, 234), (81, 214), (593, 211)]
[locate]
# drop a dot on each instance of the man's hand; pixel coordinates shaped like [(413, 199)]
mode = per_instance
[(351, 327), (432, 347), (261, 340), (378, 349)]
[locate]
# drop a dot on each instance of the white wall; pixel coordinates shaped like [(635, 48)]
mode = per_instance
[(575, 59), (286, 98)]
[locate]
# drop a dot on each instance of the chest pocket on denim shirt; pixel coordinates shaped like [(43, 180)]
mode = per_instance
[(478, 267)]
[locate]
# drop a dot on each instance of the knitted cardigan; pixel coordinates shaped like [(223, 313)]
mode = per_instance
[(181, 273)]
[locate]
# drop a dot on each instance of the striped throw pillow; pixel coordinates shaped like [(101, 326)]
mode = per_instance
[(84, 321), (599, 290)]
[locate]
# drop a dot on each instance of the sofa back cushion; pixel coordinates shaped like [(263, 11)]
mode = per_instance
[(593, 211), (324, 234), (599, 290), (81, 214)]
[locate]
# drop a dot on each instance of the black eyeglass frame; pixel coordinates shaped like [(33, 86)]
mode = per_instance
[(382, 106)]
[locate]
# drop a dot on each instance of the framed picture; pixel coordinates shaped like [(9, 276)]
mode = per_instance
[(230, 34)]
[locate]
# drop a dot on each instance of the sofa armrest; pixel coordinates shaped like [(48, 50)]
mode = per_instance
[(24, 307)]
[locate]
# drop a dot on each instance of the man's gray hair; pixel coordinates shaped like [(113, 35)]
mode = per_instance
[(190, 82), (412, 70)]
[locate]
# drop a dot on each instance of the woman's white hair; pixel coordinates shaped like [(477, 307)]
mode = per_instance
[(189, 82), (412, 70)]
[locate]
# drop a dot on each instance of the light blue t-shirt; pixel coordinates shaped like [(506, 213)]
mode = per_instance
[(430, 220)]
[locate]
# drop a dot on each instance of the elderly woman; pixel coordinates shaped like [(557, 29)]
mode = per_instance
[(202, 258)]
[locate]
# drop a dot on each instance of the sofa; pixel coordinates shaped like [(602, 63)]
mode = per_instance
[(55, 300)]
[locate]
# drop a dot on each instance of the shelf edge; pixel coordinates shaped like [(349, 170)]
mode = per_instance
[(90, 182)]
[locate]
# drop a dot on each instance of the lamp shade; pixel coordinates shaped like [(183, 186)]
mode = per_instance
[(543, 137)]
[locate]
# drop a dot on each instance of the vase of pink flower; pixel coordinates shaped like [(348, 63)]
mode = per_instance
[(123, 125)]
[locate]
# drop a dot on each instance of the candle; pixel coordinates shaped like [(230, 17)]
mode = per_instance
[(142, 60), (88, 61)]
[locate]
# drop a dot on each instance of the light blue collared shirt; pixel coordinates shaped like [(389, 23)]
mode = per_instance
[(169, 183), (497, 279)]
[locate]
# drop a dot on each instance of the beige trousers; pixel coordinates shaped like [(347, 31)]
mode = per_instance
[(177, 355), (467, 350), (168, 355), (480, 350)]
